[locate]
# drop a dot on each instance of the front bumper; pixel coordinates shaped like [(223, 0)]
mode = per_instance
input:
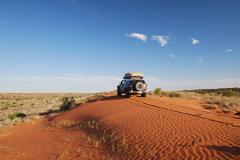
[(137, 92)]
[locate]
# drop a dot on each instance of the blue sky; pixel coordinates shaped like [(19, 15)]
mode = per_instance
[(87, 46)]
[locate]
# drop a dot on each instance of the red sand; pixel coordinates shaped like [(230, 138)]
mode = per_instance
[(143, 128)]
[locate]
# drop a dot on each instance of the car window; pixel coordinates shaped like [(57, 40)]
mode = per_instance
[(126, 82)]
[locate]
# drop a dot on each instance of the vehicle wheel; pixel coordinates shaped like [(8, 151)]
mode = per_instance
[(143, 95), (140, 86), (119, 94), (128, 95)]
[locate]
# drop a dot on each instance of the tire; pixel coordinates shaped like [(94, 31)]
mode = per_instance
[(143, 95), (119, 93), (127, 95), (140, 86)]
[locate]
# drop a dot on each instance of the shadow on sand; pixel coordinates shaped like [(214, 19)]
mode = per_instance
[(93, 99), (226, 149), (113, 98)]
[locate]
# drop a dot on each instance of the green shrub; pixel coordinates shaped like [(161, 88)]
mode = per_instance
[(232, 103), (67, 103), (157, 91), (203, 92), (229, 93), (164, 93), (174, 94), (16, 115)]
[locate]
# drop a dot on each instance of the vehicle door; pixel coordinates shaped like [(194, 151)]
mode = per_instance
[(122, 85)]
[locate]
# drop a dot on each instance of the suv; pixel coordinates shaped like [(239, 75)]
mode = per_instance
[(132, 83)]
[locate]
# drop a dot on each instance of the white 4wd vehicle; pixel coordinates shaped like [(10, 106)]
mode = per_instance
[(132, 83)]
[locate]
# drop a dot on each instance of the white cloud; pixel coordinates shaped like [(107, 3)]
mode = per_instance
[(194, 41), (228, 50), (172, 56), (139, 36), (163, 40), (200, 59)]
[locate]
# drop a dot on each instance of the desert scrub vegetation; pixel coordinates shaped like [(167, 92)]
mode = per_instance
[(226, 92), (225, 100), (157, 91), (230, 93), (226, 104), (180, 94), (161, 93), (97, 134), (100, 136), (33, 104), (16, 115), (67, 102)]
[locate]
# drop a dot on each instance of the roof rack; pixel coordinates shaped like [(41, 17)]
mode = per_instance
[(133, 75)]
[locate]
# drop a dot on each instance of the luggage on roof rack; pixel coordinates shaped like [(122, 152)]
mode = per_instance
[(133, 75)]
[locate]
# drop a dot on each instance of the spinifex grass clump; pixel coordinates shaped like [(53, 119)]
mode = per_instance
[(157, 91), (209, 106), (67, 102), (98, 135), (226, 104), (17, 115), (101, 137), (230, 93)]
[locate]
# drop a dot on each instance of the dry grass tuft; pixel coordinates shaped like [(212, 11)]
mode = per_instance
[(207, 106), (97, 134), (178, 94), (16, 115), (226, 104)]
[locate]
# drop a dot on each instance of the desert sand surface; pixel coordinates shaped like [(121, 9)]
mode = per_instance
[(122, 128)]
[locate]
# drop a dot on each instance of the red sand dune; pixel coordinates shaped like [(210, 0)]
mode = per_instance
[(120, 128)]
